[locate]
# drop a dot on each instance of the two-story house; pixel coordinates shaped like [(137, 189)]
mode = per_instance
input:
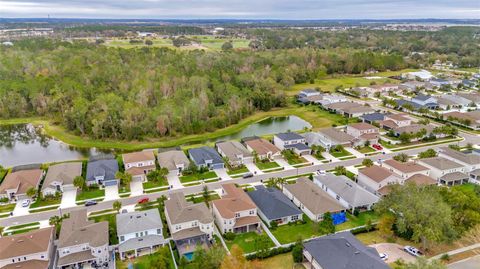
[(82, 242), (32, 249), (468, 160), (311, 199), (139, 164), (190, 224), (206, 157), (392, 121), (19, 181), (174, 160), (374, 178), (291, 141), (329, 137), (405, 169), (363, 133), (235, 153), (445, 171), (60, 177), (235, 211), (264, 149), (140, 232)]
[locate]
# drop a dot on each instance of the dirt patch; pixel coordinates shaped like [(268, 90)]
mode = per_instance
[(394, 252)]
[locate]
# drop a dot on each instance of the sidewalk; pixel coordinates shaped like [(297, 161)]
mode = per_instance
[(329, 156), (456, 251), (174, 180)]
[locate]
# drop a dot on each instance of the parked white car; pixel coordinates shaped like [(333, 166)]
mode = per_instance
[(25, 203), (412, 251), (383, 256)]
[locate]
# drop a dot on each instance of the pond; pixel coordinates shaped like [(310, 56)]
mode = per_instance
[(25, 144)]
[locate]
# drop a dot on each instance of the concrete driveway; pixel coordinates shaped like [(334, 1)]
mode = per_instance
[(394, 252), (68, 198), (111, 193), (253, 168), (174, 180), (136, 188), (470, 263), (222, 173), (283, 163), (311, 159), (19, 210)]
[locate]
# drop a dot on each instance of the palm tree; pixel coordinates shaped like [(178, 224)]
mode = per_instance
[(79, 182), (31, 192), (117, 205), (340, 170), (206, 195)]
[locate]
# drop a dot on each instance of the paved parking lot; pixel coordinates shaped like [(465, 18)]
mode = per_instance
[(394, 252)]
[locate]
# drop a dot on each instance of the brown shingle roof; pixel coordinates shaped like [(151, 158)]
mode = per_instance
[(313, 197), (170, 159), (262, 146), (376, 173), (407, 167), (23, 179), (234, 201), (77, 229), (337, 135), (460, 156), (24, 244), (32, 264), (140, 156), (64, 172), (362, 126), (421, 179), (179, 210), (397, 117)]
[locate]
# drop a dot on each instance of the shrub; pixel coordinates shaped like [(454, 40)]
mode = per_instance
[(273, 225), (297, 253), (270, 253), (229, 236)]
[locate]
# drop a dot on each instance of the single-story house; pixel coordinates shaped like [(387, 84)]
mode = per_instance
[(376, 177), (329, 137), (311, 199), (101, 170), (291, 141), (174, 160), (16, 184), (235, 153), (263, 148), (341, 251), (273, 205), (423, 100), (308, 93), (470, 119), (349, 109), (139, 164), (393, 121), (373, 117), (415, 128), (457, 99), (206, 157), (350, 195), (60, 177)]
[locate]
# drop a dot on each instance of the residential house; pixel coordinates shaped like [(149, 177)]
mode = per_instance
[(439, 82), (373, 117), (139, 164), (414, 129), (375, 177), (447, 104), (457, 99), (139, 232), (473, 97), (307, 96), (418, 75), (470, 119), (101, 170), (393, 121), (347, 192), (331, 99), (262, 148), (206, 157), (311, 199), (364, 133), (60, 177), (308, 93), (425, 100), (174, 160), (22, 178), (469, 161), (329, 137), (412, 85), (405, 169), (291, 141), (82, 242), (30, 250), (349, 109), (235, 153), (341, 251), (190, 224), (235, 211), (382, 89), (447, 172), (274, 206)]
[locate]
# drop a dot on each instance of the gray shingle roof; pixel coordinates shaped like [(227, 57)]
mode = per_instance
[(440, 163), (200, 155), (350, 191), (138, 221), (104, 167), (299, 146), (289, 136), (460, 156), (273, 203), (454, 176), (373, 117), (343, 251)]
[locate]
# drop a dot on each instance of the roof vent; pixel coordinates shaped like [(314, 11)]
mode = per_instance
[(357, 252), (20, 241), (348, 244)]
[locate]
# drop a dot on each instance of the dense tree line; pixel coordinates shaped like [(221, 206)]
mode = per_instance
[(131, 93)]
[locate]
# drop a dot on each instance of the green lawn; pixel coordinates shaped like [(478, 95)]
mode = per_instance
[(154, 184), (341, 153), (355, 221), (239, 170), (466, 187), (90, 194), (292, 232), (246, 241), (144, 262), (294, 159), (16, 227), (3, 172), (282, 261), (7, 208), (46, 202), (112, 226), (267, 165), (196, 177), (366, 149)]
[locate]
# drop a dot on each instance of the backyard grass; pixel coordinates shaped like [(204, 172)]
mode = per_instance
[(112, 226), (267, 165), (246, 241), (239, 170), (282, 261), (292, 232), (143, 262), (46, 202), (90, 194), (196, 177), (355, 221)]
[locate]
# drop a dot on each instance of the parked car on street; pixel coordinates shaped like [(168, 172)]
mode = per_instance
[(90, 203), (412, 251), (247, 175), (143, 200)]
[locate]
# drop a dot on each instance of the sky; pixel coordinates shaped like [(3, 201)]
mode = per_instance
[(242, 9)]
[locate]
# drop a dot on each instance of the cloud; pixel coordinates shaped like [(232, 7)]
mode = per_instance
[(254, 9)]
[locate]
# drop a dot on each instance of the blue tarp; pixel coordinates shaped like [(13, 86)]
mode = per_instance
[(339, 218)]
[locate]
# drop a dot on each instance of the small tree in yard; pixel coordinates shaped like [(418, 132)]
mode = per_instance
[(297, 252), (340, 170), (31, 192), (429, 153), (385, 225), (367, 162), (206, 195), (79, 182), (125, 178), (402, 157), (273, 225), (117, 205), (326, 226)]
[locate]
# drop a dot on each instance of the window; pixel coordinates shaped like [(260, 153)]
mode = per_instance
[(43, 256), (338, 197), (252, 212), (294, 218), (237, 215), (122, 238), (159, 231)]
